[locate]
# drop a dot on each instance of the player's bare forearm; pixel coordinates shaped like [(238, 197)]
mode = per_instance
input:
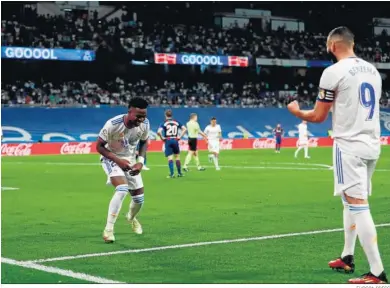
[(183, 132), (309, 116), (316, 115), (203, 135), (104, 151), (142, 147), (160, 135)]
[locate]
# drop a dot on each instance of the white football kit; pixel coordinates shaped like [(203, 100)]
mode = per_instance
[(123, 142), (303, 138), (354, 86), (212, 133)]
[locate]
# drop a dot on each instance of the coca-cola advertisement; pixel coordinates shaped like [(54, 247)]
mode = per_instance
[(264, 143), (16, 149), (26, 149), (226, 144), (76, 148)]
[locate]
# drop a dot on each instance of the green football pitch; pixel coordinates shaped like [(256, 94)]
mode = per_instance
[(264, 218)]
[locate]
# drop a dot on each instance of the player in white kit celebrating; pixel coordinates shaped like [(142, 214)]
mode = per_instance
[(214, 133), (303, 141), (352, 88), (117, 143)]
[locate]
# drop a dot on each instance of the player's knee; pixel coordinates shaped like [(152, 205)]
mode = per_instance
[(118, 180), (170, 157), (122, 190), (354, 200), (139, 199), (136, 192)]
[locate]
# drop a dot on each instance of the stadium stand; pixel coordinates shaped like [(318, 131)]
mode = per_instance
[(128, 34)]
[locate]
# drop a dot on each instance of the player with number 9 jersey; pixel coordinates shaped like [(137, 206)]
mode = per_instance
[(169, 133), (352, 89), (355, 86)]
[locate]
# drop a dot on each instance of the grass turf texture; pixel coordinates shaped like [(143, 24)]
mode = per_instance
[(60, 210)]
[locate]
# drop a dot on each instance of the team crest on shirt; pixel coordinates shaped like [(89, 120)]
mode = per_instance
[(321, 94), (118, 136)]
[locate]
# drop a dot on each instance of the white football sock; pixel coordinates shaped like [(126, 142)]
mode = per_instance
[(366, 231), (306, 151), (297, 151), (135, 205), (188, 160), (197, 162), (215, 159), (115, 205), (350, 234)]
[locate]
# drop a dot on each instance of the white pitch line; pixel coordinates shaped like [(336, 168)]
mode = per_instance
[(63, 272), (9, 188), (161, 248)]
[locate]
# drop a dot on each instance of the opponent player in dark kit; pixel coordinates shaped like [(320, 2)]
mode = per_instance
[(169, 133)]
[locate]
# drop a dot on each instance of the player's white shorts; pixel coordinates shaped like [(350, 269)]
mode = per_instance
[(112, 170), (302, 142), (352, 174), (214, 146)]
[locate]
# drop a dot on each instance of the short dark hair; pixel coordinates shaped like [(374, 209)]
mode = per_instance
[(168, 113), (213, 118), (343, 33), (138, 102)]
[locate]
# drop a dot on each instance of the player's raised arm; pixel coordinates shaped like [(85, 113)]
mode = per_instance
[(324, 103)]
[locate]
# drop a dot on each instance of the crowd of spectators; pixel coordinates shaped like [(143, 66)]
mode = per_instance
[(133, 32), (86, 31), (180, 94)]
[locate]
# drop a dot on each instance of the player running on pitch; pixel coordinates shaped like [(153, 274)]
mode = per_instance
[(303, 141), (117, 143), (278, 132), (214, 134), (169, 133), (194, 130), (352, 88)]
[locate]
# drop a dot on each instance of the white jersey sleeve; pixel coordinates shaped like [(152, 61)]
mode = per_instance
[(105, 132), (328, 86)]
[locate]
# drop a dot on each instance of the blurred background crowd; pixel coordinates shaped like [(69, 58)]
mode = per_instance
[(137, 30)]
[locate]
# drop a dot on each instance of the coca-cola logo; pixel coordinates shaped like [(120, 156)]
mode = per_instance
[(16, 149), (384, 140), (264, 143), (313, 142), (77, 148), (226, 144)]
